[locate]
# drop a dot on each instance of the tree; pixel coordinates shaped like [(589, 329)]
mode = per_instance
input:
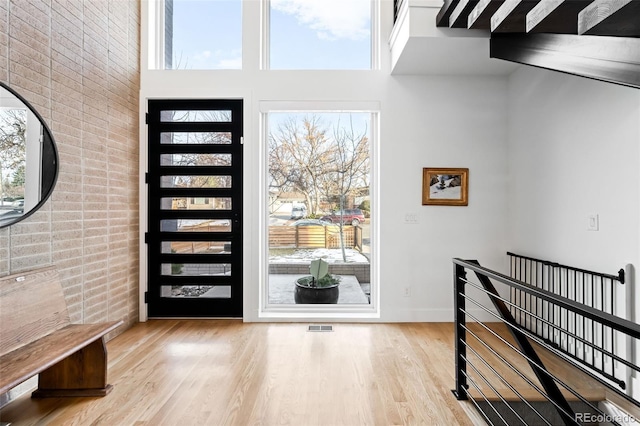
[(320, 163), (13, 130), (349, 169), (299, 152)]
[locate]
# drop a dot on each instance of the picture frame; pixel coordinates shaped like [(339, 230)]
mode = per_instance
[(445, 186)]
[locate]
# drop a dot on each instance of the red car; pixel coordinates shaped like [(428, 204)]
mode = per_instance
[(352, 216)]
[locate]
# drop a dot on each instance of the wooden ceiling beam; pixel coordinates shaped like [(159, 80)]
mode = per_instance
[(610, 18), (612, 59), (511, 17), (442, 20), (555, 16), (480, 16), (460, 14)]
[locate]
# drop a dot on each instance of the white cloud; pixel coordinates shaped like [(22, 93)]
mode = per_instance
[(206, 54), (331, 19)]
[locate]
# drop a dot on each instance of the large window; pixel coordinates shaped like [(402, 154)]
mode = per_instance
[(202, 34), (300, 34), (320, 34), (319, 202)]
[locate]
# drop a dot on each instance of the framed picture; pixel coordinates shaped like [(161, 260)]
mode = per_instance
[(445, 187)]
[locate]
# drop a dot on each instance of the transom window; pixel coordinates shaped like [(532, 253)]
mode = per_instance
[(320, 34), (202, 34), (297, 35)]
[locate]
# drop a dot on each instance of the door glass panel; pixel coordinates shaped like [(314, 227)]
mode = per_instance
[(203, 291), (195, 225), (195, 159), (185, 181), (196, 269), (196, 247), (195, 138), (197, 116), (195, 203)]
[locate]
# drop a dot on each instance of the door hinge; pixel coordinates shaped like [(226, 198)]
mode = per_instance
[(241, 140), (146, 177), (146, 118), (146, 297), (146, 238)]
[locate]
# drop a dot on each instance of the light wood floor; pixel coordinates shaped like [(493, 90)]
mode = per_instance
[(212, 372), (224, 372)]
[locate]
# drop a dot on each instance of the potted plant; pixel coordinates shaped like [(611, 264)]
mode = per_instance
[(319, 287)]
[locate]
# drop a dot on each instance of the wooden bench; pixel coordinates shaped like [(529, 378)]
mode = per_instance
[(37, 337)]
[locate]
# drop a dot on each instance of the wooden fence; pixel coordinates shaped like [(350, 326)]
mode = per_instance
[(312, 237)]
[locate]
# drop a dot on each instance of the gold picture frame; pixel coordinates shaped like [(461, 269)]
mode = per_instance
[(445, 186)]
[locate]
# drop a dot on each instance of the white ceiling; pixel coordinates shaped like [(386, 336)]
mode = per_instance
[(418, 46)]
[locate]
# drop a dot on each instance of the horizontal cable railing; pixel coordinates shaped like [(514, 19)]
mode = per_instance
[(485, 374), (583, 340)]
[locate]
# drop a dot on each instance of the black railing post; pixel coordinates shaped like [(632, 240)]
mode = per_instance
[(460, 334)]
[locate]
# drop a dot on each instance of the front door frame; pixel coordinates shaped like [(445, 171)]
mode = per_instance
[(235, 215)]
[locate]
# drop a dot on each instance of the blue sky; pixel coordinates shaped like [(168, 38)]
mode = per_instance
[(305, 34)]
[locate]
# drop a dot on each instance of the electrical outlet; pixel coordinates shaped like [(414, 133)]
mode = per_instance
[(411, 217), (407, 291)]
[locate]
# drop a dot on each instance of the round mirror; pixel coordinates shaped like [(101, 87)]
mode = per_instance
[(28, 158)]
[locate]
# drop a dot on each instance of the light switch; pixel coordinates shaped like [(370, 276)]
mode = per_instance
[(593, 222)]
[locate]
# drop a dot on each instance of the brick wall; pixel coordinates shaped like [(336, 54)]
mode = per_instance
[(77, 62)]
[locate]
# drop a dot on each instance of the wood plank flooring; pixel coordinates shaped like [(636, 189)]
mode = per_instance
[(224, 372)]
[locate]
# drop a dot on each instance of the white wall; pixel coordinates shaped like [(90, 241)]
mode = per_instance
[(574, 150), (440, 122), (424, 122)]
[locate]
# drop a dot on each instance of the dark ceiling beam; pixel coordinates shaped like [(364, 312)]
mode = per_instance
[(460, 14), (555, 16), (442, 19), (611, 17), (480, 16), (611, 59), (511, 17)]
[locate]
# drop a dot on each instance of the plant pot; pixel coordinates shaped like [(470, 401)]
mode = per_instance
[(316, 295)]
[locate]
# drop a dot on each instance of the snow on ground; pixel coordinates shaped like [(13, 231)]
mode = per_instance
[(445, 193), (328, 255)]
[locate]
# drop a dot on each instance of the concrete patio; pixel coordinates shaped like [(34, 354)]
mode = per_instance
[(281, 288)]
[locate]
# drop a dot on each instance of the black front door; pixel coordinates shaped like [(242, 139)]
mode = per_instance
[(194, 235)]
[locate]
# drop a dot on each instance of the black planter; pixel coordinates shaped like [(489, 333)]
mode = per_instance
[(315, 295)]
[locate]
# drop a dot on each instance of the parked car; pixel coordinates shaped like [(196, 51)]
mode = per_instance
[(298, 212), (352, 216)]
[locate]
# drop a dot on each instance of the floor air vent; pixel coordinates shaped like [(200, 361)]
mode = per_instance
[(320, 328)]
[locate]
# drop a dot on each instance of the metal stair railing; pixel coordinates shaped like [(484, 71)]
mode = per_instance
[(503, 311)]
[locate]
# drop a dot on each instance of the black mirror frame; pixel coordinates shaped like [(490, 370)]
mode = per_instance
[(50, 170)]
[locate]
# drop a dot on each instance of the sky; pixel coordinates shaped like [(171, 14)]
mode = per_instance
[(305, 34)]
